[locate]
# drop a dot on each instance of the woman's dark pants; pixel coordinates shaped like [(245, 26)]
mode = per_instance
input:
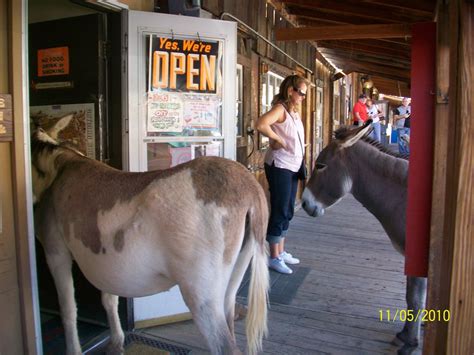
[(283, 184)]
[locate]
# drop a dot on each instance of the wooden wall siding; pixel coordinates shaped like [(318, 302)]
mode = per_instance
[(323, 77), (440, 247), (461, 328), (259, 16), (328, 105), (451, 274)]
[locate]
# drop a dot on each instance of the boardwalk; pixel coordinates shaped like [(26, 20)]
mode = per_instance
[(349, 272)]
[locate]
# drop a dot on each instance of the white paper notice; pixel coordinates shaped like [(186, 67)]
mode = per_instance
[(165, 112), (201, 111)]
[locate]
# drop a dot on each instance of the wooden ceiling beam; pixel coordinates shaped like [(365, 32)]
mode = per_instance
[(335, 18), (362, 47), (383, 42), (369, 58), (343, 32), (349, 66), (394, 91), (419, 7), (395, 88), (363, 10), (386, 81)]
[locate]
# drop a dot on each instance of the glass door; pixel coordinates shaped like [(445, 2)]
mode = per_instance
[(180, 105)]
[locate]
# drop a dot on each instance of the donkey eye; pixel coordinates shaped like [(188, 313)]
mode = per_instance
[(320, 166)]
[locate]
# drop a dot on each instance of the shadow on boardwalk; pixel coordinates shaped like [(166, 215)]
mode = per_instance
[(350, 273)]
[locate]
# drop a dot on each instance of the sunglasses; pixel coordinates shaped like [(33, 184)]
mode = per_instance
[(301, 93)]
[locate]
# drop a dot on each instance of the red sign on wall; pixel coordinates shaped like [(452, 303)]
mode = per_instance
[(53, 61)]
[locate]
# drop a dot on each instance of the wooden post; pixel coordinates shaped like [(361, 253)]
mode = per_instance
[(439, 245), (418, 211), (451, 276), (461, 206)]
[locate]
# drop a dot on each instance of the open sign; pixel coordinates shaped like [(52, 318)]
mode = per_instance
[(183, 65)]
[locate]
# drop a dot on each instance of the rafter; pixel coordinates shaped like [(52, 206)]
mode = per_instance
[(343, 32), (364, 10), (371, 58), (349, 66), (364, 47), (321, 16), (391, 87), (424, 8)]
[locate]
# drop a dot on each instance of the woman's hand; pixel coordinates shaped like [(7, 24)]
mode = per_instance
[(275, 145)]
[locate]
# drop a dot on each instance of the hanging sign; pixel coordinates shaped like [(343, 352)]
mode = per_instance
[(53, 61), (183, 84), (183, 65)]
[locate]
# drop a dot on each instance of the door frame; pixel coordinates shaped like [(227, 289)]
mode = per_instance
[(17, 31)]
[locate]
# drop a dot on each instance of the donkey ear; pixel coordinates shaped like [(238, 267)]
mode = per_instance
[(355, 135), (62, 123)]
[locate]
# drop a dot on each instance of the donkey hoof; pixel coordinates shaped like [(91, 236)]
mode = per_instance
[(406, 349), (407, 345), (240, 311), (397, 341)]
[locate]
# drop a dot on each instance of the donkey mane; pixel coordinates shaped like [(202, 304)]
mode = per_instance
[(344, 131)]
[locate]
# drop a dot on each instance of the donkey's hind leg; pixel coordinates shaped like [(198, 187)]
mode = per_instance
[(243, 261), (206, 302), (60, 265), (415, 296), (110, 303)]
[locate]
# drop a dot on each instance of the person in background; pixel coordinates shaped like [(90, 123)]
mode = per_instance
[(401, 114), (359, 112), (374, 114), (283, 125)]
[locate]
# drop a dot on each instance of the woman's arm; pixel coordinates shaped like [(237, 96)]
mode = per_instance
[(264, 123)]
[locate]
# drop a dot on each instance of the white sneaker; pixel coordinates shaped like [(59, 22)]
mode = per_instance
[(289, 259), (279, 265)]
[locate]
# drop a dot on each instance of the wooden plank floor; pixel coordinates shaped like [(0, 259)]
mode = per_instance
[(354, 273)]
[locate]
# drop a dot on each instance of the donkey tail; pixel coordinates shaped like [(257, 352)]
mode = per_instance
[(256, 322)]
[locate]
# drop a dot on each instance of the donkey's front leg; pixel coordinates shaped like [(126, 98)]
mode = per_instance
[(416, 296), (110, 303), (60, 265)]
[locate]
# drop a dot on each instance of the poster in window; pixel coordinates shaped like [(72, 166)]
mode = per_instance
[(79, 132), (201, 111), (165, 112), (184, 84)]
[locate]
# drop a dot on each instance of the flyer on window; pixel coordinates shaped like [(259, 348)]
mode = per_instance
[(183, 84), (165, 112)]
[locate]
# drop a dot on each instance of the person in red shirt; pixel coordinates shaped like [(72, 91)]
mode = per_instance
[(359, 112)]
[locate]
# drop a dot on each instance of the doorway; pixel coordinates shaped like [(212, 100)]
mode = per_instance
[(74, 67)]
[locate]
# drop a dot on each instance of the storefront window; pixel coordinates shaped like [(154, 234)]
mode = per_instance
[(239, 100), (270, 87), (162, 156)]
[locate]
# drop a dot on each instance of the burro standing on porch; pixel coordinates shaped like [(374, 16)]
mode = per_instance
[(353, 163), (198, 225)]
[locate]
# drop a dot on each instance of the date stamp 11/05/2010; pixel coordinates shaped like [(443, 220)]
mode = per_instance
[(410, 315)]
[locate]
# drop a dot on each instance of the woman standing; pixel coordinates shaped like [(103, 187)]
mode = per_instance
[(283, 125), (374, 114)]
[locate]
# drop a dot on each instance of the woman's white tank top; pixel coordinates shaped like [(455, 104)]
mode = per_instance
[(289, 130)]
